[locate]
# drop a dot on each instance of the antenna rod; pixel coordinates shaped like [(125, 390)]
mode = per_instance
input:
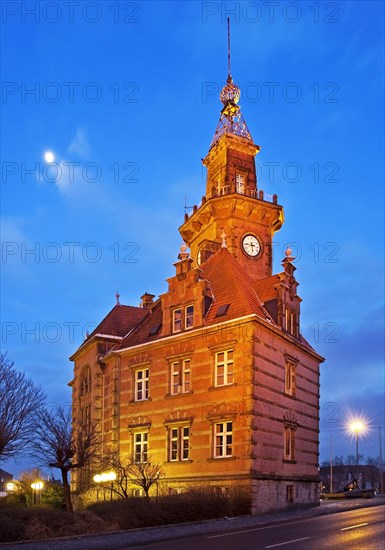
[(228, 44)]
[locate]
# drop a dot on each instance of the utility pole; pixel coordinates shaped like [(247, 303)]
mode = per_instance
[(331, 463), (381, 472)]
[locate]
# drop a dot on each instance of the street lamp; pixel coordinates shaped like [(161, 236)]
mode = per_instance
[(37, 486), (357, 427), (105, 477)]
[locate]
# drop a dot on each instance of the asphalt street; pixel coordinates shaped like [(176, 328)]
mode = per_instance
[(354, 524), (355, 529)]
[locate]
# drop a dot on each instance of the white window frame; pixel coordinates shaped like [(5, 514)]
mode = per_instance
[(240, 181), (226, 365), (189, 317), (179, 443), (180, 377), (223, 439), (177, 322), (142, 377), (140, 444)]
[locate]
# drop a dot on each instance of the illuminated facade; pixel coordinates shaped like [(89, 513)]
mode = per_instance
[(213, 379)]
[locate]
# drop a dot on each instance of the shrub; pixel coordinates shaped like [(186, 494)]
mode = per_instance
[(191, 506)]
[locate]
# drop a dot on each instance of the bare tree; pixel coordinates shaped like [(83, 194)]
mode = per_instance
[(351, 460), (140, 474), (20, 400), (145, 474), (57, 445)]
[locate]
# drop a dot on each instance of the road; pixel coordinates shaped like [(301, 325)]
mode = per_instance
[(361, 529)]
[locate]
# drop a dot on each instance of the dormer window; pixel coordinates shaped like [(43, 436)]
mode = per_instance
[(189, 317), (240, 183), (177, 320), (289, 322), (183, 318)]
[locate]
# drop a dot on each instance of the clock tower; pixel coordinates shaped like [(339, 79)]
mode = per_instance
[(233, 212)]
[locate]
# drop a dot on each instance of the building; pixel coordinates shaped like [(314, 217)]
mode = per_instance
[(213, 379), (6, 483)]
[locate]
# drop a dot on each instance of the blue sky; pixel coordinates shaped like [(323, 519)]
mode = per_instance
[(126, 96)]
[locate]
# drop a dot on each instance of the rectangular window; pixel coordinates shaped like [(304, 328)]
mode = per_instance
[(289, 321), (179, 443), (289, 443), (140, 446), (289, 493), (224, 373), (180, 377), (177, 320), (289, 378), (240, 183), (223, 439), (141, 384), (189, 317)]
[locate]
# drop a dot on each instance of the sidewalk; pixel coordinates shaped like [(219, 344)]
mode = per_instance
[(125, 539)]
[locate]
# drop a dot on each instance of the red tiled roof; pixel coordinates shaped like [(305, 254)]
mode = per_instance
[(230, 284), (265, 288), (141, 332), (120, 320)]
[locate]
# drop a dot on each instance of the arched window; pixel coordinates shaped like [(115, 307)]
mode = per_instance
[(85, 381)]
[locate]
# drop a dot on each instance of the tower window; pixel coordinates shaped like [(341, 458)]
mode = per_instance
[(240, 183)]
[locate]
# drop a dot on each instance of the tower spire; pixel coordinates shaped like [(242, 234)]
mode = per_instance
[(231, 120), (228, 47)]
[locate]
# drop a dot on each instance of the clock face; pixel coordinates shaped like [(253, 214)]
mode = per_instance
[(251, 245)]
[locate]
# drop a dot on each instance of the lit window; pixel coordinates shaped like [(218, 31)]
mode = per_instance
[(140, 446), (180, 377), (289, 443), (240, 183), (223, 439), (189, 317), (224, 373), (290, 378), (179, 443), (141, 384), (177, 320)]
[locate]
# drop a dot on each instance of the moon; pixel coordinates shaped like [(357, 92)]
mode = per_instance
[(49, 156)]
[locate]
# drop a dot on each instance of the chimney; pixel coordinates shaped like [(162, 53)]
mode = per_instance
[(147, 300)]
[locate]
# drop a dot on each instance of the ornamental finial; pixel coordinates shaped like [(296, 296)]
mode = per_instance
[(117, 296), (183, 254)]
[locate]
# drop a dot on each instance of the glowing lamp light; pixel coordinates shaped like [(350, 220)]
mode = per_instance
[(357, 426), (105, 476), (38, 485), (10, 486)]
